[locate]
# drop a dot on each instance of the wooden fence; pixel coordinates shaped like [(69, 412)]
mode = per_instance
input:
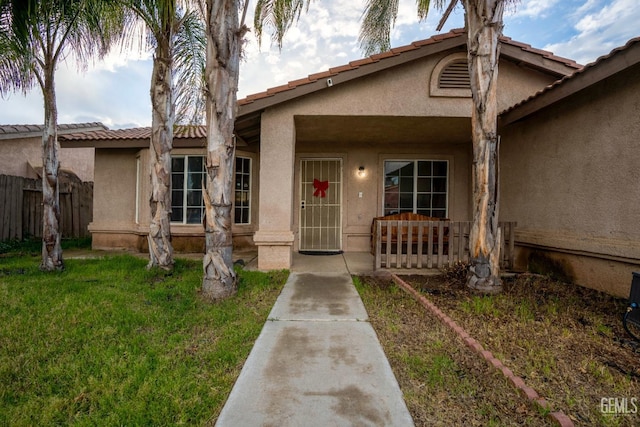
[(431, 244), (21, 207)]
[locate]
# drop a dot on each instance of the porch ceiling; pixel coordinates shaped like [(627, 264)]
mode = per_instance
[(382, 129)]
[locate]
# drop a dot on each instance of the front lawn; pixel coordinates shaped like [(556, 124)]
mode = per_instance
[(107, 342)]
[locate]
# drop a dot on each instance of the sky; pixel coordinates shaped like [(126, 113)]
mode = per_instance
[(115, 91)]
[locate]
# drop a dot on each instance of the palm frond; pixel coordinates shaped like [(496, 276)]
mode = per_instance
[(379, 17), (375, 32), (189, 64), (277, 16)]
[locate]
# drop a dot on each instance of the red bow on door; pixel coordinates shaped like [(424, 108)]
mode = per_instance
[(320, 187)]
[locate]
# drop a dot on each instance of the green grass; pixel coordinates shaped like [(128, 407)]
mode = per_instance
[(485, 304), (107, 342)]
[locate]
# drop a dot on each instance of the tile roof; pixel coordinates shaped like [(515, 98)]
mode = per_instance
[(248, 123), (599, 63), (143, 133), (395, 52), (16, 131)]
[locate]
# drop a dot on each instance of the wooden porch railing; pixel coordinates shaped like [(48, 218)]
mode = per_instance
[(431, 244)]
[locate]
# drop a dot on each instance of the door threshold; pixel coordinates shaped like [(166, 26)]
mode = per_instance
[(320, 252)]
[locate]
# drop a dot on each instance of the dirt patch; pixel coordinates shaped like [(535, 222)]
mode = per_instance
[(565, 341)]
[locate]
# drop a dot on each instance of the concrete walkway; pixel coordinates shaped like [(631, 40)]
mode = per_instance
[(317, 361)]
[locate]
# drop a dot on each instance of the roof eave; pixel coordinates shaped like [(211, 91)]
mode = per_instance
[(537, 62), (581, 79), (63, 129)]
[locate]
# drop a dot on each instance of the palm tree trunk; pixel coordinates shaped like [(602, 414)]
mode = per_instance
[(160, 248), (222, 68), (51, 235), (484, 26)]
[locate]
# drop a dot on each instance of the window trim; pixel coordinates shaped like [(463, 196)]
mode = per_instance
[(138, 175), (415, 161), (185, 157), (249, 191)]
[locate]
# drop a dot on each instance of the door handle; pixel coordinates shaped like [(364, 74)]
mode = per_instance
[(302, 203)]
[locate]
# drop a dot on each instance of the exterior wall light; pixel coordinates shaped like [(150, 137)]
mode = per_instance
[(361, 172)]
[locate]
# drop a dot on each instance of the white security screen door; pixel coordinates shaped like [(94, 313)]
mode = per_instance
[(320, 205)]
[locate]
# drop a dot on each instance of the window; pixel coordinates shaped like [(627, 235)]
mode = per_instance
[(188, 176), (418, 186), (243, 191)]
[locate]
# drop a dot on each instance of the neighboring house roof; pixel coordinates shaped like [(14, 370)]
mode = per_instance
[(617, 60), (26, 131), (183, 136)]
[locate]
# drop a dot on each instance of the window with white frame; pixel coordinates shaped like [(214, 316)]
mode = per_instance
[(242, 208), (187, 182), (418, 186), (188, 176)]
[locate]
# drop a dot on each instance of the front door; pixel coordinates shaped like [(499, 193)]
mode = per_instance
[(321, 205)]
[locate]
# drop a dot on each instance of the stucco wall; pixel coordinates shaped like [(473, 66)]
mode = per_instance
[(358, 212), (121, 202), (114, 190), (405, 91), (289, 134), (19, 156), (570, 176)]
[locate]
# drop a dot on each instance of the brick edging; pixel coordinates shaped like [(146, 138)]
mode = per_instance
[(559, 417)]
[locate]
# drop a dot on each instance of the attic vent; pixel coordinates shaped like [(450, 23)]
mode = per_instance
[(455, 76)]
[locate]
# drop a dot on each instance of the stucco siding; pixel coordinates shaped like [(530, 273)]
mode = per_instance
[(121, 203), (19, 157), (569, 174), (405, 91), (363, 196), (115, 188), (386, 115)]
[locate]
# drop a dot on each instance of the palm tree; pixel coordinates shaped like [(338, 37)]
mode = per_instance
[(225, 32), (35, 36), (483, 19), (177, 34)]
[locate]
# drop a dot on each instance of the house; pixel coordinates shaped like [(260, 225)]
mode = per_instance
[(320, 157), (21, 151), (570, 173)]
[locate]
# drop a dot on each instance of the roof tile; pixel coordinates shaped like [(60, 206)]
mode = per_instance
[(280, 88), (383, 55), (62, 127), (341, 68), (360, 62), (321, 75), (402, 49), (299, 82), (179, 132)]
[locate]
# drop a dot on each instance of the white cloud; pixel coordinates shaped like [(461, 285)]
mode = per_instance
[(600, 31), (535, 8), (116, 90), (588, 5)]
